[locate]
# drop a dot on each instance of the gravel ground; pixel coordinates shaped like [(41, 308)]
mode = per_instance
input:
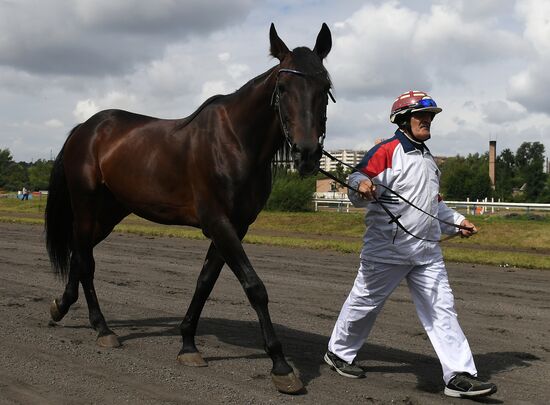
[(145, 284)]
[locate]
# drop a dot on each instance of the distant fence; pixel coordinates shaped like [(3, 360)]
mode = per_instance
[(470, 207), (19, 196), (485, 206)]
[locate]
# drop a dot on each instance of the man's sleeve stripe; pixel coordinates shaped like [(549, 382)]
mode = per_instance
[(378, 158)]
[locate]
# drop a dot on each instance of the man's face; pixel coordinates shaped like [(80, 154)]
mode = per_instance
[(420, 125)]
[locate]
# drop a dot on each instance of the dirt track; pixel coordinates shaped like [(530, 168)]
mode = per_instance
[(144, 286)]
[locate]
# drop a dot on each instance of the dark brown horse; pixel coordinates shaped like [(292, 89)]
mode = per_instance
[(211, 170)]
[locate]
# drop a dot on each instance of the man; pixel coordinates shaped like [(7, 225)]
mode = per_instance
[(404, 164), (25, 194)]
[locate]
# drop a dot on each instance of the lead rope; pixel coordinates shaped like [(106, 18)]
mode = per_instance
[(393, 217)]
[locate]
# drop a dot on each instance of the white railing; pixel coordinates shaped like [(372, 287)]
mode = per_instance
[(471, 207), (331, 195), (481, 207), (340, 204)]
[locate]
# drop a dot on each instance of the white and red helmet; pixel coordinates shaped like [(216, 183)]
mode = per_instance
[(412, 101)]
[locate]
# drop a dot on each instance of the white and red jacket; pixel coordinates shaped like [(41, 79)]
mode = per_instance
[(408, 168)]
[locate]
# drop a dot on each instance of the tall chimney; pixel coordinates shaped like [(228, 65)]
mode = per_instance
[(492, 162)]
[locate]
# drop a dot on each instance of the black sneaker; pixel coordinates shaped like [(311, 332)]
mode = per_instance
[(468, 386), (346, 369)]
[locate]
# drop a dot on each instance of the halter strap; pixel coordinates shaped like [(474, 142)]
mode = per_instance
[(276, 98)]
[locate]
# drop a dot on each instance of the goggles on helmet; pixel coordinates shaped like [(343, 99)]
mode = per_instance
[(426, 102)]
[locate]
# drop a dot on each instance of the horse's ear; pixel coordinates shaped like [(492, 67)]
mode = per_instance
[(324, 42), (278, 48)]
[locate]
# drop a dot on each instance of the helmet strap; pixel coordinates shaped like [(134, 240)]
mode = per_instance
[(412, 138), (404, 123)]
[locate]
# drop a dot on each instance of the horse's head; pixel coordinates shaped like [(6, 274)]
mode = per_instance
[(301, 96)]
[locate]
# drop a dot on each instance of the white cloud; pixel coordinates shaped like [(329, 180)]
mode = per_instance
[(85, 109), (114, 99), (118, 99), (484, 62), (212, 88), (500, 111), (370, 53), (391, 48), (528, 87), (238, 71), (457, 40), (54, 123), (224, 56), (537, 26)]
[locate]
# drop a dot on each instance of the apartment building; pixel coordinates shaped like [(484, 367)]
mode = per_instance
[(348, 156)]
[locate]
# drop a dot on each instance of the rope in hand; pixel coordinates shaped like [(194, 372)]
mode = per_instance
[(394, 218)]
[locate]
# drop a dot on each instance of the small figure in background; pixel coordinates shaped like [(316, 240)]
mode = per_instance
[(25, 194)]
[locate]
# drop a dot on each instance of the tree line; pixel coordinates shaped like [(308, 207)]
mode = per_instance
[(520, 177), (16, 175)]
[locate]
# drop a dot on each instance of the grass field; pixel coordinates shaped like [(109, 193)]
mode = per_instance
[(512, 240)]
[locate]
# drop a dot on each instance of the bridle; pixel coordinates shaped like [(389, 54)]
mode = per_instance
[(393, 218), (276, 103)]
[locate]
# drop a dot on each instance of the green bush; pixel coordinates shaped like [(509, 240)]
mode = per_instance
[(290, 192)]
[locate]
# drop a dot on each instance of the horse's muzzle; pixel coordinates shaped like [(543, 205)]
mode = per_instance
[(306, 160)]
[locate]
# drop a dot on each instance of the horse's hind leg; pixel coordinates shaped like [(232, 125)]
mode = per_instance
[(92, 224), (108, 214), (83, 265), (81, 261), (189, 354), (60, 307)]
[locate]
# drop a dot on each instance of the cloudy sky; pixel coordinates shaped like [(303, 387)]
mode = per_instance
[(485, 62)]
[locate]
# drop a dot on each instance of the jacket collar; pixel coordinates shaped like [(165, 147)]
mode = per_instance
[(408, 144)]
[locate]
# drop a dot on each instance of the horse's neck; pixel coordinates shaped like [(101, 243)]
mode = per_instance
[(262, 130)]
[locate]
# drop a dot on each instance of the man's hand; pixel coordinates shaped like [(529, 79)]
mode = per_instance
[(464, 233), (367, 189)]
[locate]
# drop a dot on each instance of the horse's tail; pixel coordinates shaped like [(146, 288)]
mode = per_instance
[(58, 218)]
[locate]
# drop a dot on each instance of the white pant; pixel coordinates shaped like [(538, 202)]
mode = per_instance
[(433, 297)]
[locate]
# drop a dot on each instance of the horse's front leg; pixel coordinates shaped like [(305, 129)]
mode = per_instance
[(229, 245), (189, 354)]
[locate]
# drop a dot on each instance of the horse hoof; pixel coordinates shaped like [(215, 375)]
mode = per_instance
[(288, 384), (108, 341), (192, 359), (55, 313)]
